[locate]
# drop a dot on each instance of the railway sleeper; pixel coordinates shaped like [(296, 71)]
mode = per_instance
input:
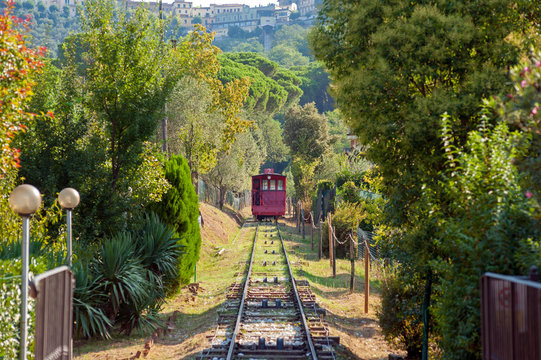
[(325, 340)]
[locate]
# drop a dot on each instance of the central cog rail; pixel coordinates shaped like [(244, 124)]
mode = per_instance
[(264, 317)]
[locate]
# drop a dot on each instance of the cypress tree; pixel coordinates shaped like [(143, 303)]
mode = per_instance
[(179, 208)]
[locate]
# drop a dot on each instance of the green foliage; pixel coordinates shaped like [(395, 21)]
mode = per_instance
[(399, 313), (306, 132), (345, 221), (288, 56), (129, 78), (349, 192), (10, 303), (119, 272), (88, 297), (234, 169), (521, 109), (272, 87), (271, 140), (179, 208), (294, 37), (396, 67), (314, 86), (126, 282), (485, 223), (47, 26)]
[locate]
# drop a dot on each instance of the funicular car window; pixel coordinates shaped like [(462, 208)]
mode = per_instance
[(265, 185), (272, 184), (280, 185)]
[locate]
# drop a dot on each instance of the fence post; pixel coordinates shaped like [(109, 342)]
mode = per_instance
[(333, 257), (296, 214), (330, 239), (366, 275), (320, 250), (312, 229), (352, 259), (302, 221)]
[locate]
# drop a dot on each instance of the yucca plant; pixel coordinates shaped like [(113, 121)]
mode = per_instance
[(12, 249), (88, 299), (144, 315), (158, 248), (119, 271)]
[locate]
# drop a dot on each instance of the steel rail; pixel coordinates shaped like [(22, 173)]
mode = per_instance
[(299, 303), (241, 307)]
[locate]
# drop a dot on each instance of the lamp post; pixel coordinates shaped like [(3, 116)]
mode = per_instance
[(69, 199), (25, 200)]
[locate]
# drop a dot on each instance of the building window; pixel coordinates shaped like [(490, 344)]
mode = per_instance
[(280, 185)]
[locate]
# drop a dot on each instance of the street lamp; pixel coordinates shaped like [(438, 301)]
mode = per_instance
[(69, 199), (25, 200)]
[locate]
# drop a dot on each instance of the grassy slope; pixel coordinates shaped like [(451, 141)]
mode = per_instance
[(359, 333)]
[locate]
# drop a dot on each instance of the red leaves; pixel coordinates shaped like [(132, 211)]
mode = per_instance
[(18, 64)]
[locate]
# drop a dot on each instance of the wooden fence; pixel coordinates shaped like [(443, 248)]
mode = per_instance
[(511, 317)]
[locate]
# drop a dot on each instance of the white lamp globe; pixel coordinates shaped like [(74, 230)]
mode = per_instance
[(25, 200), (69, 198)]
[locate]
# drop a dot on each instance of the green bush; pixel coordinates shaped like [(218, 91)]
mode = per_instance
[(350, 192), (345, 222), (10, 303), (400, 312), (125, 284), (179, 208), (88, 298)]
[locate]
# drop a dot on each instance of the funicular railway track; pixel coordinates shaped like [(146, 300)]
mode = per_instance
[(270, 315)]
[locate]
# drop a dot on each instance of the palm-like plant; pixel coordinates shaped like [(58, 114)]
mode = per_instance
[(158, 249), (88, 298), (120, 273)]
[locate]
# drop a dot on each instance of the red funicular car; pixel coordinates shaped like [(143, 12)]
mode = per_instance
[(268, 195)]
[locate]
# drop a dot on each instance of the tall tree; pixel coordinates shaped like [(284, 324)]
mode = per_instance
[(396, 67), (235, 168), (128, 78), (306, 132)]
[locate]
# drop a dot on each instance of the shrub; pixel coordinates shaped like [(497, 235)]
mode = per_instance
[(349, 192), (125, 284), (159, 251), (10, 303), (345, 221), (88, 298), (400, 312), (179, 208), (119, 273)]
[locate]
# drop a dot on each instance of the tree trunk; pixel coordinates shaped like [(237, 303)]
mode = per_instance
[(114, 162), (195, 181), (426, 313), (222, 197)]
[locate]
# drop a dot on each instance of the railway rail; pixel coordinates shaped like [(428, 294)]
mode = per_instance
[(269, 315)]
